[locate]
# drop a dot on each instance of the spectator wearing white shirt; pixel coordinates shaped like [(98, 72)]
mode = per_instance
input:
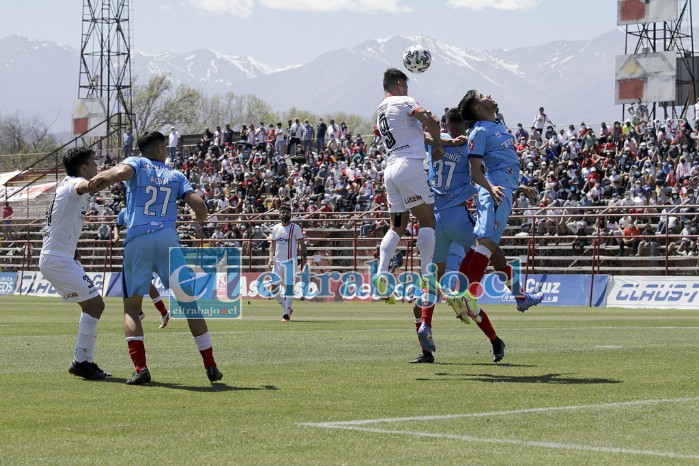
[(173, 142), (295, 131), (279, 140), (541, 119)]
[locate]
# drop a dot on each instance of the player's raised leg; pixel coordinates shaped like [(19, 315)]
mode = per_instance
[(524, 300), (159, 305)]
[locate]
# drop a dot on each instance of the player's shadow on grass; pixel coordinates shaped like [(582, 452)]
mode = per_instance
[(217, 387), (502, 364), (545, 378)]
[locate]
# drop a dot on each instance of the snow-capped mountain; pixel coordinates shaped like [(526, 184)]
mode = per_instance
[(573, 80), (204, 69)]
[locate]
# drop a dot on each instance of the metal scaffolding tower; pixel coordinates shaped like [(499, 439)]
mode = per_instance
[(105, 59), (677, 36)]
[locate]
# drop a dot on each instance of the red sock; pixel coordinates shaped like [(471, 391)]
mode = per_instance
[(137, 351), (473, 266), (208, 356), (486, 326), (427, 312), (160, 306)]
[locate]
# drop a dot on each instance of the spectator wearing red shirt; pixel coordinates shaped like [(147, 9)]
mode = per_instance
[(631, 238), (7, 214), (594, 175), (380, 197)]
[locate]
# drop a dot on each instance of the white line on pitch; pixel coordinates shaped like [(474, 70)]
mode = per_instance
[(561, 446), (339, 424)]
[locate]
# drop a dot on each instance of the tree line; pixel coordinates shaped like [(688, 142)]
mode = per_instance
[(157, 105)]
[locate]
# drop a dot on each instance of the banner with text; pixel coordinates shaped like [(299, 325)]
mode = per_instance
[(561, 290), (7, 282), (34, 284), (653, 292)]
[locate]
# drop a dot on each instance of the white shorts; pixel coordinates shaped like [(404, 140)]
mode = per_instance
[(68, 278), (407, 185), (288, 277)]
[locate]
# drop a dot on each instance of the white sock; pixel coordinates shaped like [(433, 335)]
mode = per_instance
[(203, 341), (135, 339), (482, 250), (425, 243), (389, 243), (280, 299), (287, 304), (87, 336)]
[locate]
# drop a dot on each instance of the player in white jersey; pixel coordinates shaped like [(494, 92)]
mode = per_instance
[(286, 238), (59, 261), (400, 120)]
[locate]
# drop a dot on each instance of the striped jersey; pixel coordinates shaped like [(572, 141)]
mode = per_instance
[(286, 238)]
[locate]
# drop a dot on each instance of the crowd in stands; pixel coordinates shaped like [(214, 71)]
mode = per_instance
[(629, 167)]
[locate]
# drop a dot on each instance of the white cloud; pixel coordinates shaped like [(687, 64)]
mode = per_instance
[(510, 5), (245, 8), (386, 6), (166, 7), (242, 8)]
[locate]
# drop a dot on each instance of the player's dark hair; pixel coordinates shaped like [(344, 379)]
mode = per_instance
[(466, 105), (454, 115), (148, 142), (391, 76), (76, 157)]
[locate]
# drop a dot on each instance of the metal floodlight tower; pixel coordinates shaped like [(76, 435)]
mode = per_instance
[(105, 60), (670, 36)]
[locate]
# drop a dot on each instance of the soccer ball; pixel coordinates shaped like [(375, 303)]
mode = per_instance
[(417, 59)]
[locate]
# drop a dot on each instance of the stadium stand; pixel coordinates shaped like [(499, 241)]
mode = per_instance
[(612, 201)]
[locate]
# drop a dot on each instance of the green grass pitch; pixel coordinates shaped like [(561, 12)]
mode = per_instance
[(577, 386)]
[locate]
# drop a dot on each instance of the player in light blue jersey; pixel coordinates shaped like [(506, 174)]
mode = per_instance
[(153, 292), (152, 191), (495, 169), (450, 179)]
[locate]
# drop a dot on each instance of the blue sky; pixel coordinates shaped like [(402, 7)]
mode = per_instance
[(286, 32)]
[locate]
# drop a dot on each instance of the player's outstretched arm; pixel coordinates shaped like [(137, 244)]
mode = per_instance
[(432, 127), (198, 205), (458, 141), (478, 175), (108, 177)]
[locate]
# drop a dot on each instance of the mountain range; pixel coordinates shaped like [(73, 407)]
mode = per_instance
[(573, 80)]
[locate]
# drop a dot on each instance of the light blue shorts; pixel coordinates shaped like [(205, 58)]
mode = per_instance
[(456, 255), (492, 219), (454, 224), (144, 255)]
